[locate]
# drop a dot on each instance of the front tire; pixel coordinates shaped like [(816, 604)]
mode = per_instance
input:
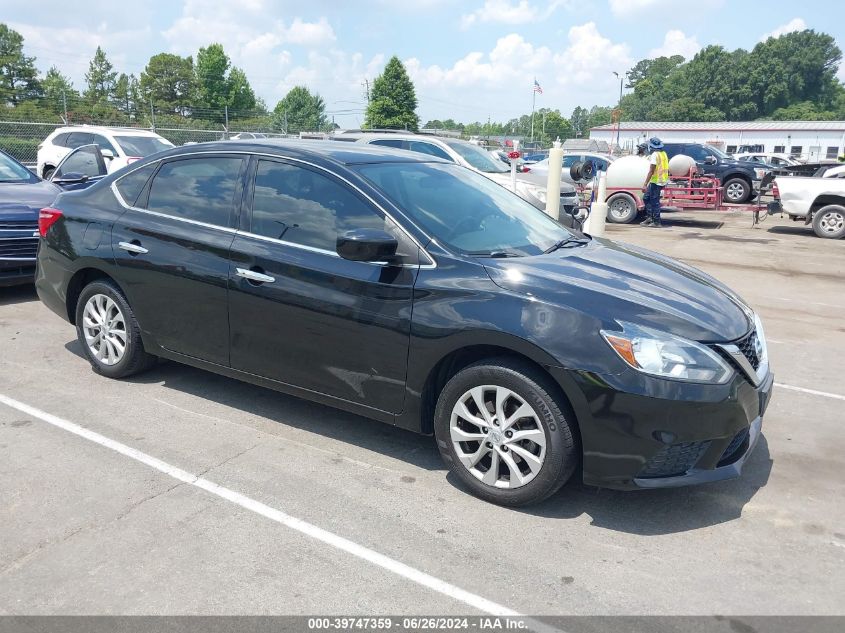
[(621, 208), (829, 222), (504, 434), (737, 191), (109, 333)]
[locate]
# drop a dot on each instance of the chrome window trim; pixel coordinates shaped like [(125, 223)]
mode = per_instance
[(432, 262)]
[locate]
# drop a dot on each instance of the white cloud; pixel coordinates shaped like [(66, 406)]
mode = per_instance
[(309, 33), (676, 43), (795, 24), (505, 12), (590, 59)]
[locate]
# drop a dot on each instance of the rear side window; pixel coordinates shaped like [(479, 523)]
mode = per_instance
[(78, 139), (304, 207), (570, 160), (389, 142), (199, 189), (61, 139), (428, 148), (131, 185)]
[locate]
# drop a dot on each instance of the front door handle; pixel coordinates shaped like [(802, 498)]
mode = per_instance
[(255, 276), (131, 247)]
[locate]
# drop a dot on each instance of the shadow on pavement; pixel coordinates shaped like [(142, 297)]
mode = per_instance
[(17, 294), (643, 512)]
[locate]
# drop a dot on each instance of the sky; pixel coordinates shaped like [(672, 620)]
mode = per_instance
[(469, 59)]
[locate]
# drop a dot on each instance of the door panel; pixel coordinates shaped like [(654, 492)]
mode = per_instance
[(174, 267), (323, 323)]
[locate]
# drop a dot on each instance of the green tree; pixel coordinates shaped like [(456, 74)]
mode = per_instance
[(579, 121), (300, 111), (18, 75), (168, 81), (393, 100), (58, 91), (101, 79), (551, 125), (127, 96), (242, 99), (211, 81)]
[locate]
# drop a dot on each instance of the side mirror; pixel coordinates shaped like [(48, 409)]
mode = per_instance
[(367, 245), (710, 160), (71, 178), (107, 153)]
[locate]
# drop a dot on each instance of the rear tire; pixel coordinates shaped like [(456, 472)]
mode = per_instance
[(736, 191), (109, 333), (48, 171), (829, 222), (621, 208), (540, 444)]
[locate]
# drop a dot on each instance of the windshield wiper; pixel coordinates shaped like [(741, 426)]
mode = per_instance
[(496, 254), (567, 242)]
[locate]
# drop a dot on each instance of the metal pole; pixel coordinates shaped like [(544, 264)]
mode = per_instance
[(226, 116), (64, 103), (533, 101), (153, 115)]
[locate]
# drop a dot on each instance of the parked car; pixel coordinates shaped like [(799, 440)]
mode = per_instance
[(120, 146), (601, 162), (22, 196), (771, 159), (739, 178), (408, 289), (534, 157), (241, 136), (502, 155), (478, 159), (816, 201)]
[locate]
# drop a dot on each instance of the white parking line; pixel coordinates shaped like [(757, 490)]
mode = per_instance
[(303, 527), (812, 392)]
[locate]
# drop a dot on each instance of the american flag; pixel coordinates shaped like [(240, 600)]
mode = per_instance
[(537, 87)]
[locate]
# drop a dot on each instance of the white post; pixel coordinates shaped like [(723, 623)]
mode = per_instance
[(513, 166), (553, 183), (598, 212)]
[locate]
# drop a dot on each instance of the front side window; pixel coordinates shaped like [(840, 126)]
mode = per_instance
[(465, 211), (85, 161), (198, 189), (301, 206)]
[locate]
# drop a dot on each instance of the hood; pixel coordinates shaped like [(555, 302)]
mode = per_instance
[(20, 201), (609, 281)]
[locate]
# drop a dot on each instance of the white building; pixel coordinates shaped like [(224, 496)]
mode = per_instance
[(810, 140)]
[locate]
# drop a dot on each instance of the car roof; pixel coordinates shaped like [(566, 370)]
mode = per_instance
[(343, 153), (409, 136), (100, 129)]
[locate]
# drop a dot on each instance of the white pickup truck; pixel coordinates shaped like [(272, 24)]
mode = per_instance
[(820, 201)]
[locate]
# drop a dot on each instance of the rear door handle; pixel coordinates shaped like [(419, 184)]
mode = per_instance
[(252, 275), (135, 249)]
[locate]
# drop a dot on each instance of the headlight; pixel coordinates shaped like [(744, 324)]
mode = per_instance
[(666, 355), (762, 347)]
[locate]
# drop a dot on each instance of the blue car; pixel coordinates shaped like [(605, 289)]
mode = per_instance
[(23, 195)]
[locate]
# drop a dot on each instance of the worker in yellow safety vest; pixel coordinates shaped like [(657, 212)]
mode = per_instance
[(657, 178)]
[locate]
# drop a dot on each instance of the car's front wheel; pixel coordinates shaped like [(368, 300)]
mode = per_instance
[(109, 333), (503, 432), (737, 191)]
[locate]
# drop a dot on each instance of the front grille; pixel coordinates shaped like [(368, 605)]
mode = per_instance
[(748, 347), (674, 460), (736, 448), (18, 225), (18, 247)]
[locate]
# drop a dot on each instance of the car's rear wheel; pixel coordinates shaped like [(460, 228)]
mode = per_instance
[(504, 434), (109, 333), (48, 171), (829, 222), (736, 190), (621, 208)]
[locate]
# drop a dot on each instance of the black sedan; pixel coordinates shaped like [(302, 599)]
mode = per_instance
[(418, 293)]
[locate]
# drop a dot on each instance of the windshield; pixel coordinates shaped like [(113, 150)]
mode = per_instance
[(12, 171), (717, 152), (465, 211), (480, 159), (142, 146)]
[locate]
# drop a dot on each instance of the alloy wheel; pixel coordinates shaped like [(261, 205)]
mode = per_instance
[(735, 191), (832, 222), (498, 436), (105, 329)]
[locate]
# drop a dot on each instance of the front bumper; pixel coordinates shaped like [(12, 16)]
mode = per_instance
[(641, 432)]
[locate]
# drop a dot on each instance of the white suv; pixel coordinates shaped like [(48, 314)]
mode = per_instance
[(120, 146)]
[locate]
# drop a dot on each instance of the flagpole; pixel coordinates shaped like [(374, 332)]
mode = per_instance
[(533, 101)]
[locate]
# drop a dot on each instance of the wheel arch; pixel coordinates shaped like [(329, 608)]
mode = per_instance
[(825, 200), (457, 359), (77, 283)]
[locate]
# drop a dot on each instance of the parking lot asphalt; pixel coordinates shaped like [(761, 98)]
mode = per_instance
[(87, 529)]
